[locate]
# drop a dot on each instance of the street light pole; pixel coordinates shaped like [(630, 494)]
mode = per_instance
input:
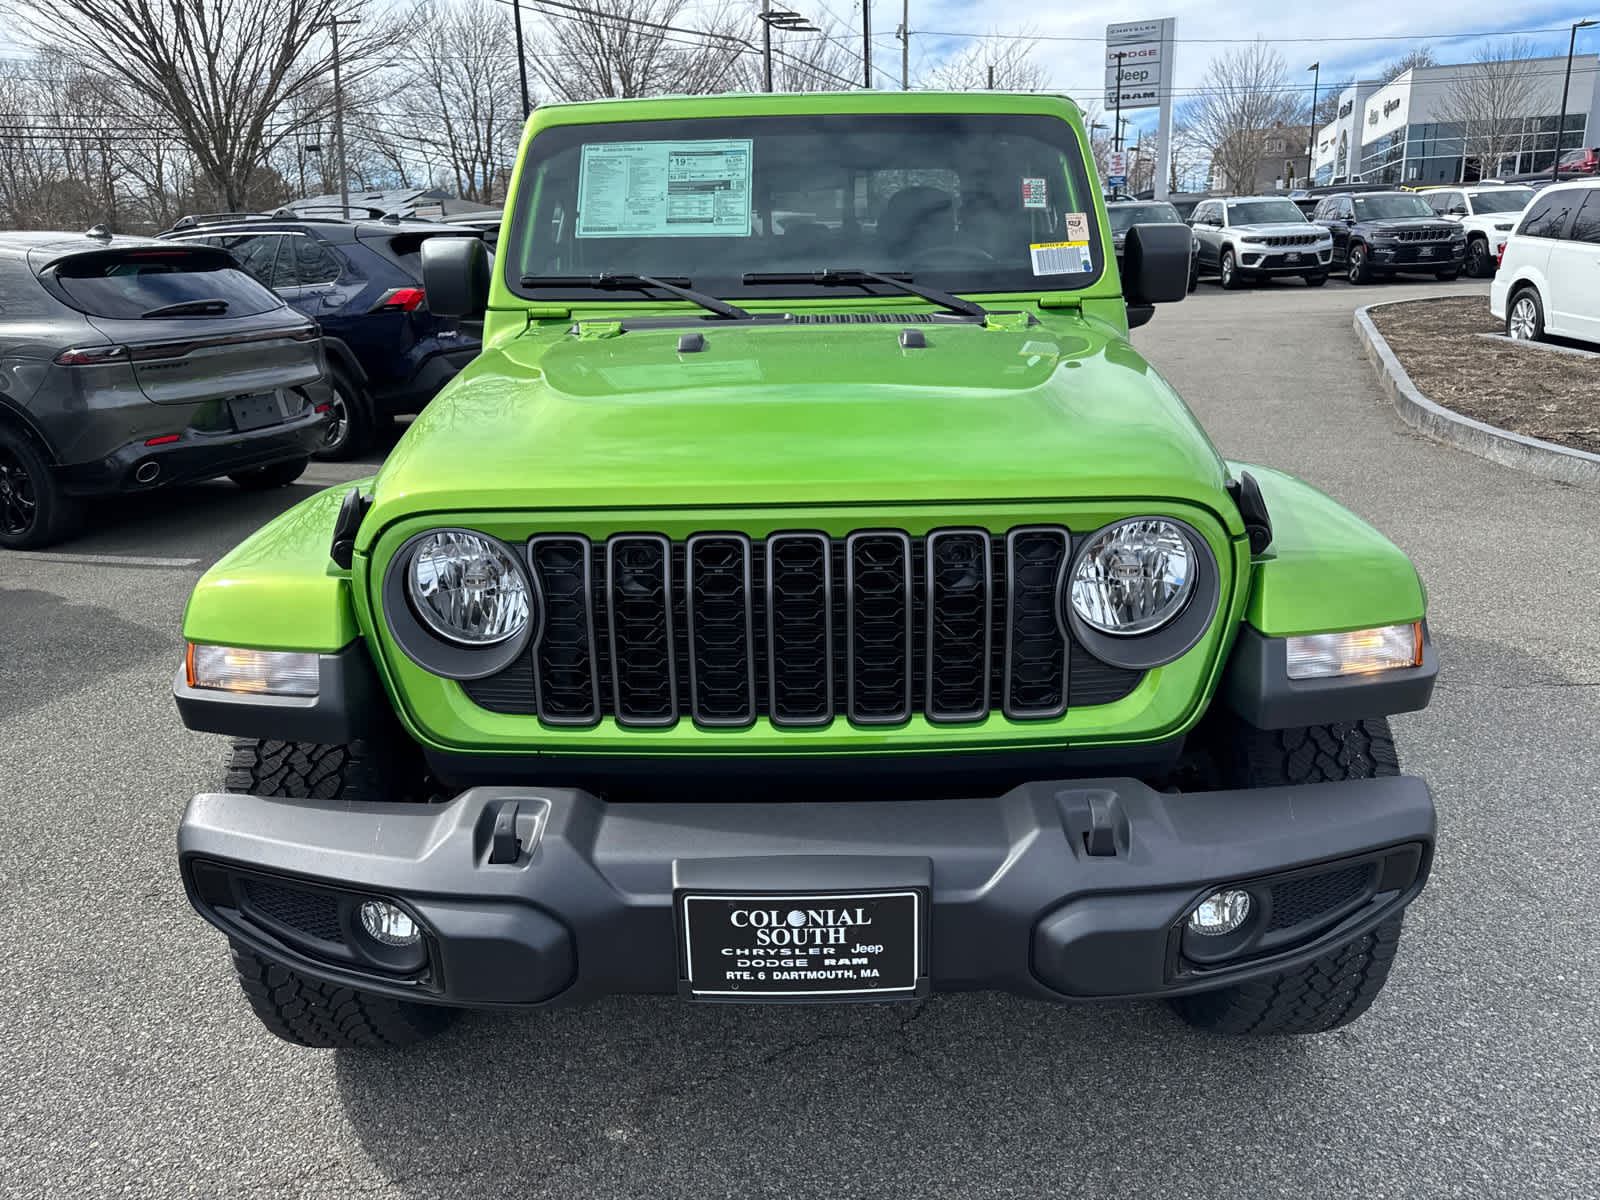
[(766, 45), (338, 116), (866, 42), (1311, 133), (1572, 44)]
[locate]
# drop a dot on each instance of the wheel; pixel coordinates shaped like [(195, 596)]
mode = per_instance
[(1316, 279), (1525, 317), (349, 421), (309, 1013), (1228, 271), (297, 1008), (1447, 276), (1479, 264), (276, 476), (1360, 270), (34, 511), (1338, 986)]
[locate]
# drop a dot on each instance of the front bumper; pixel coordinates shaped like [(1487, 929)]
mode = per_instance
[(1410, 256), (1074, 889), (1275, 261)]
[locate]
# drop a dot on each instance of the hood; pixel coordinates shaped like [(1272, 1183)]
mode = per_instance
[(800, 414), (1439, 223), (1283, 229)]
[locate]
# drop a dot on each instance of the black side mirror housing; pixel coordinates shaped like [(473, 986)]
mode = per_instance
[(455, 275), (1458, 210), (1156, 264)]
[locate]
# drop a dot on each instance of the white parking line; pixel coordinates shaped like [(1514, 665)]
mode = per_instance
[(101, 560)]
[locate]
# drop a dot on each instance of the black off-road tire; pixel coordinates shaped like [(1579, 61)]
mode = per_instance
[(1327, 992), (325, 1015), (34, 511), (297, 1008), (276, 476), (1337, 987)]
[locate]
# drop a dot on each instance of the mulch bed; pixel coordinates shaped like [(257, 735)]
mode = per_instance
[(1533, 392)]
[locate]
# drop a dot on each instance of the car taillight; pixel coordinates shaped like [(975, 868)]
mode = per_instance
[(407, 299), (90, 356), (1500, 259), (306, 333)]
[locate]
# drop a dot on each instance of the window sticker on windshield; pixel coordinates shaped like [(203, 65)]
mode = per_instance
[(1077, 227), (1060, 258), (664, 189), (1035, 194)]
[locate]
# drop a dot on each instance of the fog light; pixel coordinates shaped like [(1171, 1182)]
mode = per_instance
[(389, 924), (1360, 652), (257, 672), (1221, 912)]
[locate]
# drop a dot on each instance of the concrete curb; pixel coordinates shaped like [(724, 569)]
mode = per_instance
[(1536, 457)]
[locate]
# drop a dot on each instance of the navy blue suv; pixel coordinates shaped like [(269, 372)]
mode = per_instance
[(361, 281)]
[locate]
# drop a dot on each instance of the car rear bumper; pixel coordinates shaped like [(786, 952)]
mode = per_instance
[(1067, 890), (196, 455), (431, 374)]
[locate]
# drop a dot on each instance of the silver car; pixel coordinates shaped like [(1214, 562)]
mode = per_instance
[(131, 364), (1243, 238)]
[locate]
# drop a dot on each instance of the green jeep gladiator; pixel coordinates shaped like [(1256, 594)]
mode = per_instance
[(808, 595)]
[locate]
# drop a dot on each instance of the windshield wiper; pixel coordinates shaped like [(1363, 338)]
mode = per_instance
[(188, 308), (844, 276), (676, 285)]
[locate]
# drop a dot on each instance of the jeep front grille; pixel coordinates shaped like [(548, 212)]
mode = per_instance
[(1292, 239), (800, 628), (1424, 235)]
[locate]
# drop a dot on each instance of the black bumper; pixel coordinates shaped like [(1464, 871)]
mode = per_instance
[(198, 456), (1074, 889)]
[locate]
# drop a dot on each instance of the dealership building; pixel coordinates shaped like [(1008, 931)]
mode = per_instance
[(1411, 131)]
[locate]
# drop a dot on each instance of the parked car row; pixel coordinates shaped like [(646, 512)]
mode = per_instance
[(236, 344)]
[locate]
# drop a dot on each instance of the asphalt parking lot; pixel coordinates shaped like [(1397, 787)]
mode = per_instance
[(130, 1064)]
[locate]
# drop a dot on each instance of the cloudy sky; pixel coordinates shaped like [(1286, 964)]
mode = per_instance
[(1070, 36)]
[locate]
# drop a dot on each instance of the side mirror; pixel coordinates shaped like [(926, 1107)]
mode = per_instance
[(1458, 210), (1155, 264), (455, 275)]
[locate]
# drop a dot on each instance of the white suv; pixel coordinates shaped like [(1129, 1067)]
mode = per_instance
[(1487, 212), (1549, 280)]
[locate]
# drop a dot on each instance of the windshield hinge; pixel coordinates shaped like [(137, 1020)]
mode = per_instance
[(548, 312), (597, 330), (1060, 300)]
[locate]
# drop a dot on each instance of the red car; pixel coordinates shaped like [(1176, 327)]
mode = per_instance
[(1581, 161)]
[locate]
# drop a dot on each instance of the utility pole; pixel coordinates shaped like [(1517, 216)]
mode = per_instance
[(866, 42), (338, 116), (905, 46), (766, 45), (522, 57), (1311, 133)]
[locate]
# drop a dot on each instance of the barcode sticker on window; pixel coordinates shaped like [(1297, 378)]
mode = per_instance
[(1060, 258)]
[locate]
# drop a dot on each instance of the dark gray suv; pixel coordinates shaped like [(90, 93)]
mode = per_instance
[(128, 364)]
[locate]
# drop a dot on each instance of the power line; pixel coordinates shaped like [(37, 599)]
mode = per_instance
[(1317, 40)]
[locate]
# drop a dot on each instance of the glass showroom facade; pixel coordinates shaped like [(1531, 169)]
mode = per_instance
[(1450, 152)]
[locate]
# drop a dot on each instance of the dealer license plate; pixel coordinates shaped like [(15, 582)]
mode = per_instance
[(255, 411), (1292, 257), (805, 945), (1425, 252)]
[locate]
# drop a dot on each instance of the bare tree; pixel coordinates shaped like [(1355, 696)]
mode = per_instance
[(1488, 98), (1004, 64), (217, 71), (638, 48), (1244, 95), (1420, 56)]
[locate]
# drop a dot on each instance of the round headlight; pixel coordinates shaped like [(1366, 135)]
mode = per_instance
[(1132, 577), (468, 588)]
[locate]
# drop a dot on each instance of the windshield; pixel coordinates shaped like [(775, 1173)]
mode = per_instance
[(1500, 200), (1385, 206), (128, 284), (1265, 212), (1125, 216), (960, 202)]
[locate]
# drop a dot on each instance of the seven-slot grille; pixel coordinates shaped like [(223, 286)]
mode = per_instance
[(1292, 239), (1425, 235), (800, 628)]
